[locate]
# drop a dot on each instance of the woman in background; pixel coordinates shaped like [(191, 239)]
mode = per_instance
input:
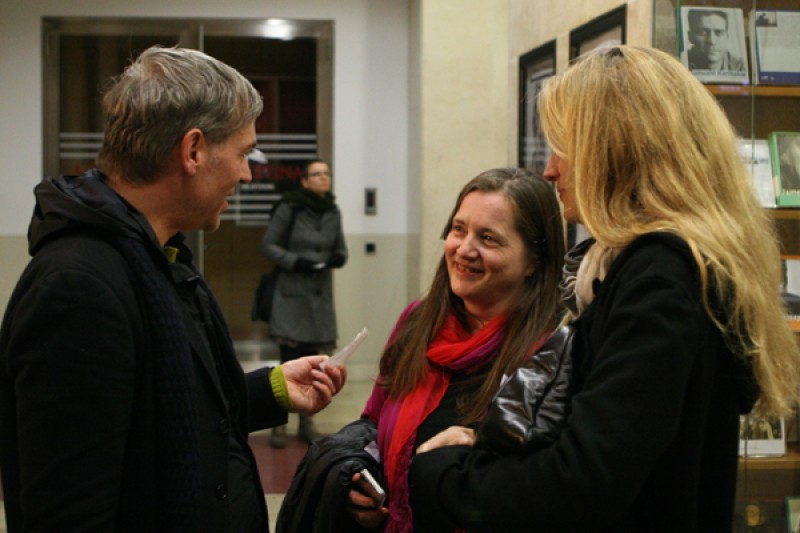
[(305, 240), (678, 316)]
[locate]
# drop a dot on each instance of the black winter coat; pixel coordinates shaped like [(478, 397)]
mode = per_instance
[(78, 414), (318, 496), (652, 441)]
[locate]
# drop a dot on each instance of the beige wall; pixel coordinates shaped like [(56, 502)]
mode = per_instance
[(464, 76), (371, 292), (532, 24), (463, 90), (13, 258)]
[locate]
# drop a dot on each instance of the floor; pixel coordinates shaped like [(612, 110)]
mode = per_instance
[(277, 467)]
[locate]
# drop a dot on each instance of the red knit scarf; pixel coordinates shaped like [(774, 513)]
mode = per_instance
[(453, 350)]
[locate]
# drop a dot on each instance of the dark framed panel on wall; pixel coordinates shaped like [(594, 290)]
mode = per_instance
[(534, 68), (607, 29)]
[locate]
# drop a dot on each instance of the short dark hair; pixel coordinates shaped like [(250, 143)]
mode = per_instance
[(307, 166), (163, 94), (695, 15)]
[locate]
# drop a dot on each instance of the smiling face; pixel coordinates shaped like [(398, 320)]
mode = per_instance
[(557, 171), (487, 261), (226, 165)]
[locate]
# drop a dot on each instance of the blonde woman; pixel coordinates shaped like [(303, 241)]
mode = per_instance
[(676, 301)]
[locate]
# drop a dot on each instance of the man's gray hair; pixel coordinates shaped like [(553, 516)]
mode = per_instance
[(163, 94)]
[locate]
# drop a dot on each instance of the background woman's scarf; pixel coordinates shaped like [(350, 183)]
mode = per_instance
[(453, 350), (304, 197)]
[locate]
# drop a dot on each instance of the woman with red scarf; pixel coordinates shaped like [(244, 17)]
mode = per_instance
[(493, 301)]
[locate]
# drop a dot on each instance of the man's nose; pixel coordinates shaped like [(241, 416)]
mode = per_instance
[(247, 177)]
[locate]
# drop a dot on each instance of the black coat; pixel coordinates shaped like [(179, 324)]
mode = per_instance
[(317, 499), (307, 312), (652, 441), (78, 414)]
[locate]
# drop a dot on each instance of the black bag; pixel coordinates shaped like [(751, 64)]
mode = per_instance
[(532, 406), (265, 293)]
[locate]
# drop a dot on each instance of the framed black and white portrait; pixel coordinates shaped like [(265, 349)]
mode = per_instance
[(604, 31), (534, 68), (713, 45)]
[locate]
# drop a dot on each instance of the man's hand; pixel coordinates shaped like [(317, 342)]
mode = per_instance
[(452, 436), (311, 388)]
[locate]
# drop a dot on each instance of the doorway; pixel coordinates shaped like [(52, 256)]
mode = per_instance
[(289, 62)]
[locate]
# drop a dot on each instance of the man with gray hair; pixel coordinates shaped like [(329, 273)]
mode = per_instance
[(122, 404)]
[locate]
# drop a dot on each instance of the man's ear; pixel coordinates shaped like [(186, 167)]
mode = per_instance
[(193, 150)]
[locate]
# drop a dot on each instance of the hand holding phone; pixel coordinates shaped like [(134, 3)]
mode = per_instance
[(369, 486), (340, 357)]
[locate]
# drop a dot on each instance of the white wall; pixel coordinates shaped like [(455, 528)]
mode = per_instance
[(370, 95), (463, 92)]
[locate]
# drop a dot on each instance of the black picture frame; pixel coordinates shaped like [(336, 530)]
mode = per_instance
[(609, 28), (735, 48), (535, 67)]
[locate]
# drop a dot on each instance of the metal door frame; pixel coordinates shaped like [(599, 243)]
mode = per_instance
[(188, 33)]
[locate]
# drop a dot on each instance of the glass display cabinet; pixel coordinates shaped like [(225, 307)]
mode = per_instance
[(747, 53)]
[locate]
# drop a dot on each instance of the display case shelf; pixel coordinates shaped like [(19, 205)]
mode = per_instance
[(789, 461), (755, 110), (767, 91), (787, 227)]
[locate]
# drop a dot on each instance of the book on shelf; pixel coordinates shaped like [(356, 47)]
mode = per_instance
[(755, 156), (761, 437), (713, 44), (760, 514), (792, 514), (791, 306), (775, 46), (784, 151)]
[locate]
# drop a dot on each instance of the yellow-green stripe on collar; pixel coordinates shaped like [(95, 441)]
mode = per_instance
[(171, 253)]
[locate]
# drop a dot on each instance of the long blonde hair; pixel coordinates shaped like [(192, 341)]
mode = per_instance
[(649, 149)]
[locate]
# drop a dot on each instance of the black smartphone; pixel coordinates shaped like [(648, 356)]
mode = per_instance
[(371, 487)]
